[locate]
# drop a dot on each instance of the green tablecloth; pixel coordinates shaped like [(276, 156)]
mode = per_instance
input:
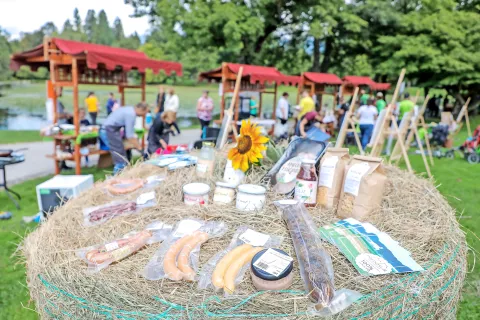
[(89, 135)]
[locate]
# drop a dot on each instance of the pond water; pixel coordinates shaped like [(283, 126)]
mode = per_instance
[(36, 121)]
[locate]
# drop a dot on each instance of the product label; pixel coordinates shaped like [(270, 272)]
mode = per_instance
[(192, 200), (186, 227), (145, 197), (273, 262), (202, 167), (354, 176), (373, 264), (327, 172), (111, 246), (289, 171), (121, 253), (306, 191), (254, 238)]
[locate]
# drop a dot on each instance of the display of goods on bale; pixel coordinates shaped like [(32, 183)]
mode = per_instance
[(412, 212)]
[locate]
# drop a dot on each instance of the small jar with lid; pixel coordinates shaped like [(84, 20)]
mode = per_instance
[(271, 269), (250, 197), (206, 160), (224, 193), (306, 185)]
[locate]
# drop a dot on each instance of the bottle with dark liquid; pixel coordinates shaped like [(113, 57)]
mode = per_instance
[(306, 185)]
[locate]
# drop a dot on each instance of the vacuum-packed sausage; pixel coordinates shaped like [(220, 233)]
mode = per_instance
[(236, 265), (224, 263), (132, 185), (183, 258)]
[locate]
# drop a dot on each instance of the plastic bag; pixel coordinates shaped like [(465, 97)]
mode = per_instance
[(100, 214), (100, 256), (243, 235), (315, 264), (177, 258), (115, 187)]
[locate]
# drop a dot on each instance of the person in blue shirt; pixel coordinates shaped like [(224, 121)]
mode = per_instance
[(110, 102)]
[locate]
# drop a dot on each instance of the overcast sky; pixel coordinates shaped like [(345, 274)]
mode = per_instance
[(28, 15)]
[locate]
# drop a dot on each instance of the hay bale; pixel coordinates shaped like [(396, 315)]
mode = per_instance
[(413, 212)]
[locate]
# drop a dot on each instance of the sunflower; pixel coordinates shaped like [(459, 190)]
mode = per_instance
[(250, 144)]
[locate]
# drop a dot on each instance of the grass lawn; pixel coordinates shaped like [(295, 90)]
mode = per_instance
[(16, 136), (457, 180)]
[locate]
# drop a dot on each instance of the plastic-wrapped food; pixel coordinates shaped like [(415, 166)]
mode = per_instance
[(177, 258), (226, 269), (100, 214), (100, 256), (315, 264), (122, 186)]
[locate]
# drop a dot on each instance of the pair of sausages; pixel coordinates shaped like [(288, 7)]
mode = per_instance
[(229, 266), (123, 248), (176, 262), (112, 211), (133, 185)]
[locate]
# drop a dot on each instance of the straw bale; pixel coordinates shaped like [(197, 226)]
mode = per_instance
[(413, 212)]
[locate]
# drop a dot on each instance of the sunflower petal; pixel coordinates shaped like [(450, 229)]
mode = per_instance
[(244, 164), (232, 153), (236, 161), (252, 157), (261, 139)]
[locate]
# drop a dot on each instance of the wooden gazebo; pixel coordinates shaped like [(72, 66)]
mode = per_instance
[(254, 78), (319, 84), (350, 82), (73, 63), (379, 86)]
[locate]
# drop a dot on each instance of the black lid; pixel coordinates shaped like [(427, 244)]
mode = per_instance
[(262, 274)]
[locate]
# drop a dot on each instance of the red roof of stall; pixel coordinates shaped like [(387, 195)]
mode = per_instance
[(381, 86), (323, 78), (254, 73), (358, 80), (95, 54)]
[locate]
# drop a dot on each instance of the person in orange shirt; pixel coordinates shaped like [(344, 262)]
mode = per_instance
[(91, 103)]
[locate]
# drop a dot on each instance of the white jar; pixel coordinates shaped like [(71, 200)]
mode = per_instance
[(224, 193), (196, 193), (250, 197)]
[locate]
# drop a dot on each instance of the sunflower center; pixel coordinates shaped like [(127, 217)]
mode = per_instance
[(244, 144)]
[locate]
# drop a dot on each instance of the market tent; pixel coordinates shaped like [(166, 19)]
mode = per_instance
[(72, 63), (319, 84), (377, 86), (254, 78)]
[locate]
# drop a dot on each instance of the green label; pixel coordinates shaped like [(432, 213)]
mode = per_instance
[(44, 191)]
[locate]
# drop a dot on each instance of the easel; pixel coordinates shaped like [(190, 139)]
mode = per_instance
[(414, 132), (227, 123), (389, 117), (463, 113), (348, 121)]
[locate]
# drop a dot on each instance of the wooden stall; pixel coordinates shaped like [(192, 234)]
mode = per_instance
[(350, 82), (254, 79), (319, 84), (73, 63)]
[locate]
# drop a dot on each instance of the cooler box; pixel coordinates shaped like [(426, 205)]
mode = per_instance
[(51, 193)]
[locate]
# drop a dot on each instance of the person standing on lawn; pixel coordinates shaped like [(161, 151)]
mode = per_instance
[(306, 105), (110, 103), (123, 117), (204, 110), (367, 114), (91, 103), (160, 99), (405, 106), (363, 97), (381, 104), (172, 103)]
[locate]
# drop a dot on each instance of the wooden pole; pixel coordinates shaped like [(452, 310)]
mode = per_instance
[(55, 115), (424, 158), (274, 112), (260, 102), (464, 113), (427, 141), (402, 146), (346, 121), (224, 88), (300, 88), (76, 118), (229, 113), (380, 137)]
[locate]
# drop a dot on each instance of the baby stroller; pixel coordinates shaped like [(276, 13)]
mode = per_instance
[(439, 138), (471, 147)]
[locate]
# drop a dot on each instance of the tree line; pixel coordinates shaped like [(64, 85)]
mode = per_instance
[(437, 41)]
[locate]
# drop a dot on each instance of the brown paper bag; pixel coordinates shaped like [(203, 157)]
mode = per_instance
[(330, 176), (362, 189)]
